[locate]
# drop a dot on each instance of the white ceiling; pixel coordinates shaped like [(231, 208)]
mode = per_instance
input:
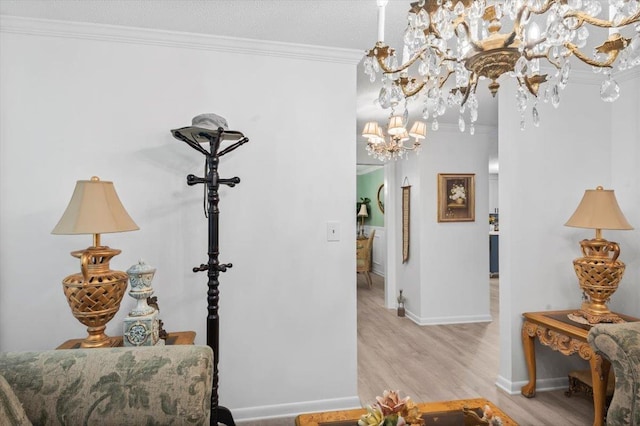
[(350, 24)]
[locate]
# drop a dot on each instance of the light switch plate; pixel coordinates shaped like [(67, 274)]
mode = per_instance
[(333, 231)]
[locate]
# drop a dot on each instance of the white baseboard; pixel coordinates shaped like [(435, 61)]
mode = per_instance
[(513, 388), (464, 319), (293, 409), (378, 270)]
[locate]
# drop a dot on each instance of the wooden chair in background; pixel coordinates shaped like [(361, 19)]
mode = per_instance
[(364, 249)]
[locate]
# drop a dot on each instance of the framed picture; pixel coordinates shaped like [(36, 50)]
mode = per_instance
[(456, 197)]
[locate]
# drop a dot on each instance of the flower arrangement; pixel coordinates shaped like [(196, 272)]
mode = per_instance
[(391, 410), (488, 416), (458, 192)]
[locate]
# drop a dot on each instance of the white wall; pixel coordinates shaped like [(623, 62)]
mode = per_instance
[(455, 255), (625, 180), (407, 174), (494, 192), (82, 100), (446, 279), (379, 249), (543, 174)]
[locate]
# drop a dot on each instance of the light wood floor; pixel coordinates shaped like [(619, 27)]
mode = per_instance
[(442, 362)]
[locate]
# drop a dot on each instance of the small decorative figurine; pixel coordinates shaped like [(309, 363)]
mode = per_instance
[(401, 300), (142, 326), (153, 301)]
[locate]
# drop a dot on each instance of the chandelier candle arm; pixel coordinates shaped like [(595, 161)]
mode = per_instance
[(611, 58), (533, 83), (444, 79), (517, 24), (467, 32), (582, 17), (409, 93), (529, 56), (466, 91)]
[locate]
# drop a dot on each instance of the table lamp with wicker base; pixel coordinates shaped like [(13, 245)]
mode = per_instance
[(95, 293), (599, 271)]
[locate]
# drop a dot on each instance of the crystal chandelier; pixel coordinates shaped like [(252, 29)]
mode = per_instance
[(394, 147), (449, 45)]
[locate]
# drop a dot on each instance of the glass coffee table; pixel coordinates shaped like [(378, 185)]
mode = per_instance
[(444, 413)]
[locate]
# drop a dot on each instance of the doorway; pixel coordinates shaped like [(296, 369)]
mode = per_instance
[(370, 191)]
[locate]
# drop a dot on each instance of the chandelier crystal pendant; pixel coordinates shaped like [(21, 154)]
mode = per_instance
[(449, 45), (393, 146)]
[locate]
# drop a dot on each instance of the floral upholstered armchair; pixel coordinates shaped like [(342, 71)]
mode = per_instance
[(117, 386), (620, 344)]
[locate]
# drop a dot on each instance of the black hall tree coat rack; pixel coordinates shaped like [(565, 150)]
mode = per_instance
[(204, 131)]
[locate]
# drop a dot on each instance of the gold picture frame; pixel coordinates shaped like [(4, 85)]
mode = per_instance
[(381, 198), (456, 197)]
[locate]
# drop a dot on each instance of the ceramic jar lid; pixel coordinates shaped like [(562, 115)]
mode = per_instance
[(141, 275)]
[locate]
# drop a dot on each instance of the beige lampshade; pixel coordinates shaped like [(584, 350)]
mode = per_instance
[(370, 130), (395, 125), (404, 136), (363, 211), (94, 209), (380, 136), (418, 130), (598, 210)]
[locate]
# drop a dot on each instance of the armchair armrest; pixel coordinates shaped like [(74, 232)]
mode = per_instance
[(620, 344)]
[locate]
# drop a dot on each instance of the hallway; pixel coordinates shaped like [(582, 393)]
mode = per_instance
[(444, 362)]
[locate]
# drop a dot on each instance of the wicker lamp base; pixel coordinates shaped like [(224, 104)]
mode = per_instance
[(599, 273), (94, 295)]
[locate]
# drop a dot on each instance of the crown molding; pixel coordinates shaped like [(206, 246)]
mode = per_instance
[(446, 127), (590, 77), (143, 36), (584, 76), (363, 169), (628, 75)]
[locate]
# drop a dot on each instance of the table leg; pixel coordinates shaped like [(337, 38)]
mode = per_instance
[(599, 375), (528, 340)]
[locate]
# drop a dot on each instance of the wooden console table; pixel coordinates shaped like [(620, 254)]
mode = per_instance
[(176, 338), (556, 330)]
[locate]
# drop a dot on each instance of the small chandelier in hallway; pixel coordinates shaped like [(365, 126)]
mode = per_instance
[(393, 146)]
